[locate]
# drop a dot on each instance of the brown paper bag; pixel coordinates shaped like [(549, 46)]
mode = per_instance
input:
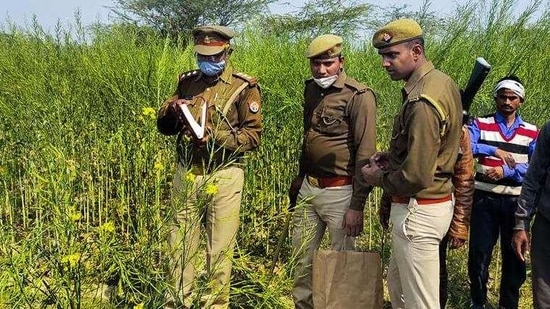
[(347, 280)]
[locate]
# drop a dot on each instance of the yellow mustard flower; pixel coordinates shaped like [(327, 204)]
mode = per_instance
[(71, 259), (149, 112), (211, 189), (158, 166), (139, 306), (74, 214), (107, 227), (190, 177)]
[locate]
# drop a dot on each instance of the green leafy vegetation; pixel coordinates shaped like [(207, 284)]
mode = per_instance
[(85, 178)]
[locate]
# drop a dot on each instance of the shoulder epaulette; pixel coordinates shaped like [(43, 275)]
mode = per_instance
[(441, 114), (252, 81), (188, 74), (360, 88)]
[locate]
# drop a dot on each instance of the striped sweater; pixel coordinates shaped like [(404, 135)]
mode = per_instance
[(517, 145)]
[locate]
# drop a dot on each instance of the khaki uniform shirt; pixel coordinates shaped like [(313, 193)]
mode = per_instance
[(339, 133), (233, 132), (424, 147)]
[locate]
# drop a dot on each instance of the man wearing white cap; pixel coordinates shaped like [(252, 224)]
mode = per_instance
[(503, 144)]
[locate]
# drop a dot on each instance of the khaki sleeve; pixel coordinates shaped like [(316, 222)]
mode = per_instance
[(363, 124), (422, 127), (246, 135), (463, 181)]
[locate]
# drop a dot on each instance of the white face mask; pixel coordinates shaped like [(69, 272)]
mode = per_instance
[(326, 82)]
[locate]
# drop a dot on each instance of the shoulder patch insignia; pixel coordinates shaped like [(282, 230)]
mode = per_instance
[(254, 107)]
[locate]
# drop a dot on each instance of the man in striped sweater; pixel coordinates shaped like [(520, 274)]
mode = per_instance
[(503, 144)]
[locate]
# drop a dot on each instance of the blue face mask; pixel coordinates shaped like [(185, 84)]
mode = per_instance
[(211, 68)]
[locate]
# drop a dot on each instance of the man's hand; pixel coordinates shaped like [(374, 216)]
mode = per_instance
[(520, 243), (496, 173), (455, 243), (353, 222), (199, 142), (382, 159), (174, 106), (506, 157), (370, 173), (174, 109), (293, 191)]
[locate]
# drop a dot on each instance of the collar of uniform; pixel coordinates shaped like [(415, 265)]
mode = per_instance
[(227, 75), (340, 82), (500, 119), (417, 76)]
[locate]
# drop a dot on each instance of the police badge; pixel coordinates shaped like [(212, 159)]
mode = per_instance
[(254, 107)]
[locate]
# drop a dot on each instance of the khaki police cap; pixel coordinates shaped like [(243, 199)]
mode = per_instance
[(325, 46), (211, 40), (397, 32)]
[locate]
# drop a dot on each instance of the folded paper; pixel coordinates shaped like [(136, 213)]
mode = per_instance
[(190, 122)]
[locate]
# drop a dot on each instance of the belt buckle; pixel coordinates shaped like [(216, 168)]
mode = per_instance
[(313, 181)]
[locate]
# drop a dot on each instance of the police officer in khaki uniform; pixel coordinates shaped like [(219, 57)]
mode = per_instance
[(417, 171), (456, 237), (339, 138), (209, 180)]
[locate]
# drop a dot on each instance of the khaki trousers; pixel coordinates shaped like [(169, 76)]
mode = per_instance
[(323, 208), (207, 205), (413, 274)]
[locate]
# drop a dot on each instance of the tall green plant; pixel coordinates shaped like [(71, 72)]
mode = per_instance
[(85, 178)]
